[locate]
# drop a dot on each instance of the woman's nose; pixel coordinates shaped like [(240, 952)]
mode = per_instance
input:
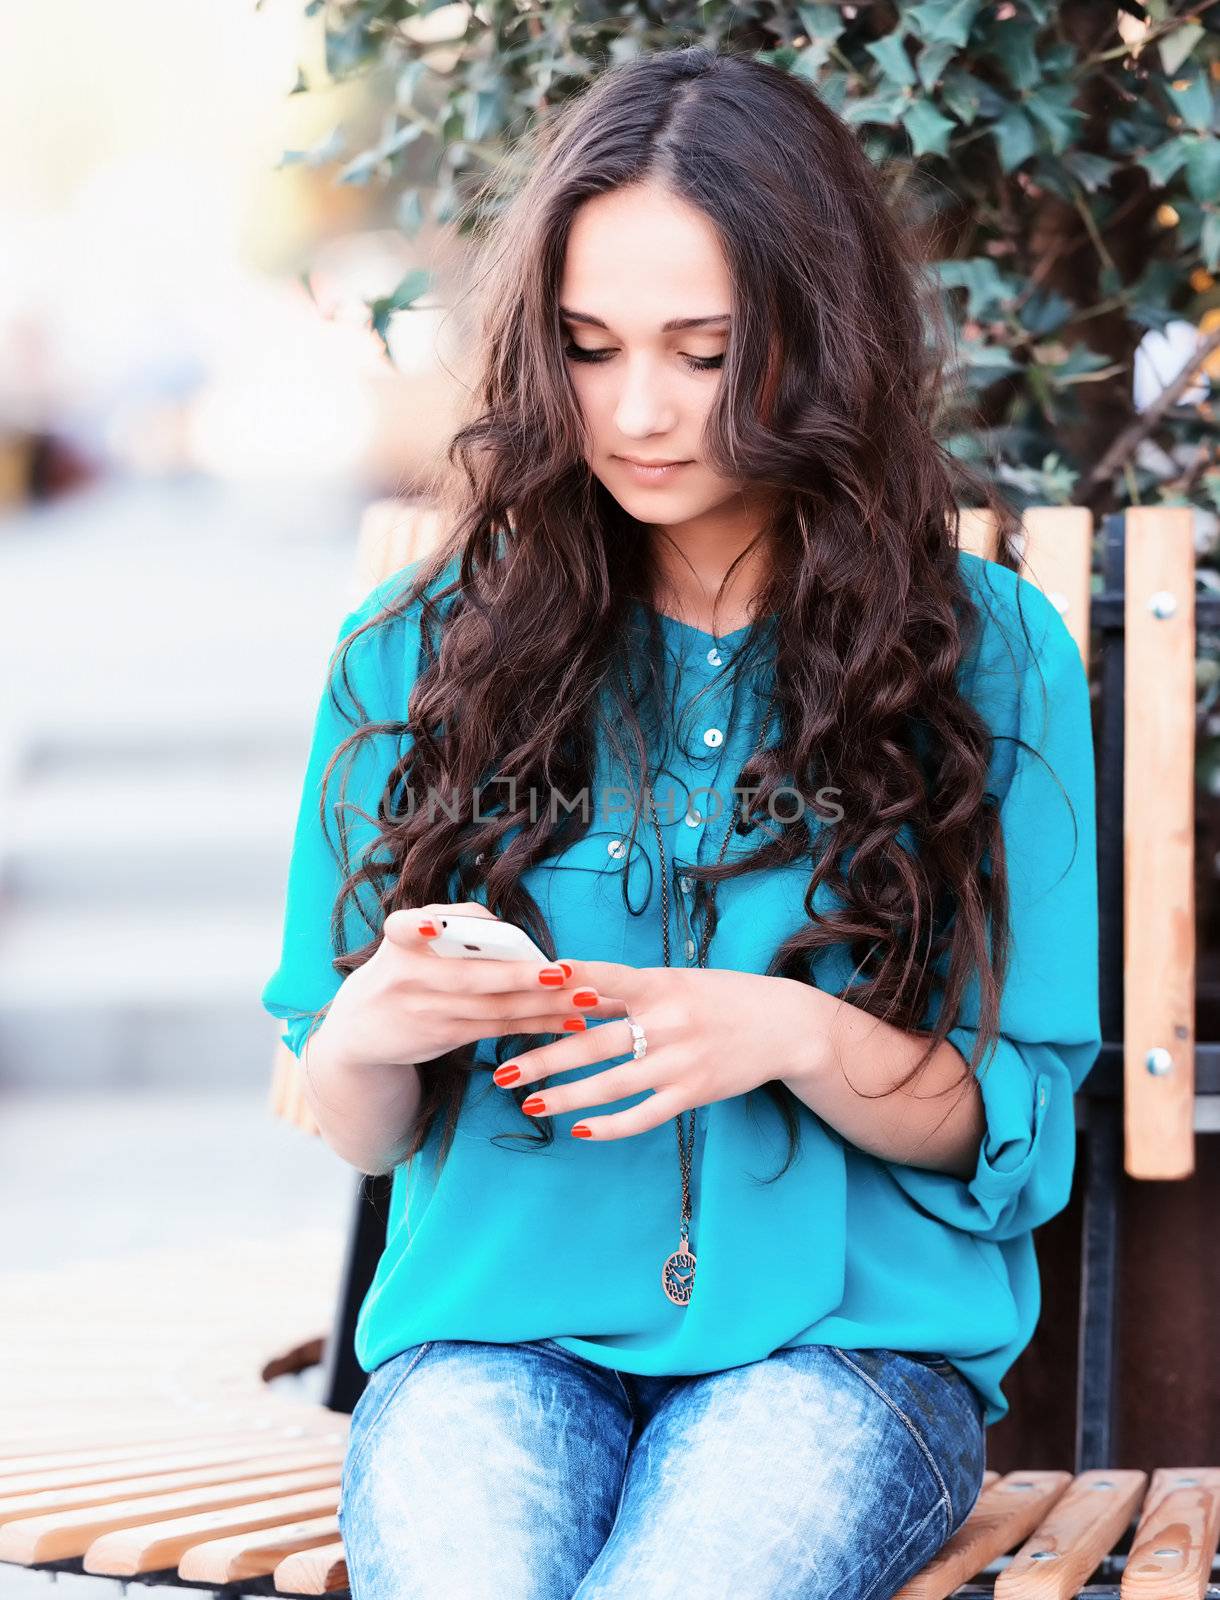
[(643, 408)]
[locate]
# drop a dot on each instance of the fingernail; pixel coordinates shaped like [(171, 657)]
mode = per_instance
[(506, 1074), (581, 1130), (429, 930), (585, 997), (575, 1025), (533, 1105), (555, 976), (568, 968)]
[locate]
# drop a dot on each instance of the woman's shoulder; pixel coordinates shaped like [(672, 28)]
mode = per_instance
[(402, 581), (1021, 634), (381, 654)]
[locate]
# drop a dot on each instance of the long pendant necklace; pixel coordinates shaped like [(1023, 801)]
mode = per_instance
[(678, 1271)]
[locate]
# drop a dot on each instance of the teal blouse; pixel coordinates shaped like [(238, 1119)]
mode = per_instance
[(511, 1242)]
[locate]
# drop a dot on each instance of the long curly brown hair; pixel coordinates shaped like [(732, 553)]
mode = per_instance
[(831, 392)]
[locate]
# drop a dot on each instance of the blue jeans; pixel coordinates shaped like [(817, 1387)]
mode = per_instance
[(524, 1472)]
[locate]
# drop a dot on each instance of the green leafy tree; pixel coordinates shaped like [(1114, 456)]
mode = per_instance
[(1064, 161)]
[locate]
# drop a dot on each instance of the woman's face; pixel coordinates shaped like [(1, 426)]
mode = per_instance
[(638, 261)]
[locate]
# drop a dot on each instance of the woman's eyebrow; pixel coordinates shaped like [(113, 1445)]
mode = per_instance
[(674, 325)]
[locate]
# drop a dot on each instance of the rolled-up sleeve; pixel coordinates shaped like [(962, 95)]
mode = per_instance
[(373, 685), (1050, 1032)]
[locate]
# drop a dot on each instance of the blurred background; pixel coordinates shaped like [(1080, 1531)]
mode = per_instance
[(194, 415)]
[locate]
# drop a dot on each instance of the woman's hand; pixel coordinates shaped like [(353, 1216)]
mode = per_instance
[(712, 1034), (406, 1005)]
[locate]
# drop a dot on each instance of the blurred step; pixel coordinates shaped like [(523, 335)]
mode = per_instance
[(141, 829), (126, 995), (68, 958), (102, 1046)]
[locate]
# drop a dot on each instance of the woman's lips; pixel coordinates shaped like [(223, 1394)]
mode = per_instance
[(651, 474)]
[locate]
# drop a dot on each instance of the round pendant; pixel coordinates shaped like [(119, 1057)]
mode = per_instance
[(678, 1276)]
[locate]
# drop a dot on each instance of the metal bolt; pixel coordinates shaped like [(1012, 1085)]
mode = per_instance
[(1159, 1062), (1163, 604)]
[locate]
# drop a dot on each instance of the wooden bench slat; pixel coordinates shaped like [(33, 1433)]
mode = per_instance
[(255, 1555), (77, 1496), (59, 1535), (319, 1571), (100, 1428), (240, 1452), (258, 1439), (1159, 844), (1058, 557), (1175, 1542), (1007, 1511), (155, 1546), (1074, 1537)]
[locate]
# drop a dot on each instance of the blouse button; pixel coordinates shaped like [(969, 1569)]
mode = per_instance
[(686, 884), (692, 819), (690, 949), (713, 737), (714, 658), (478, 858), (617, 848)]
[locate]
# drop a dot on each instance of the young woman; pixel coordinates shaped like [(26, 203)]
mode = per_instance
[(710, 1241)]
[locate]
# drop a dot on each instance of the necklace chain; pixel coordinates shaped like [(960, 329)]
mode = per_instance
[(686, 1143)]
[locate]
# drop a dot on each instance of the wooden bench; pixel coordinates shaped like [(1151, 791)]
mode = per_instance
[(237, 1494)]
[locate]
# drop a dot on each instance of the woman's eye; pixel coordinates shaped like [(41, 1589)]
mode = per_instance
[(576, 352)]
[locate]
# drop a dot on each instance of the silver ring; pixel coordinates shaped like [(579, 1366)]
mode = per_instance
[(639, 1039)]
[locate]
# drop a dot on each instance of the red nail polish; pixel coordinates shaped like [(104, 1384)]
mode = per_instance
[(575, 1025), (585, 997), (534, 1105), (429, 930), (506, 1074), (568, 968), (554, 976), (581, 1130)]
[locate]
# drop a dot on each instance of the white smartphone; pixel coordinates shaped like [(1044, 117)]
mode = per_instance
[(483, 939)]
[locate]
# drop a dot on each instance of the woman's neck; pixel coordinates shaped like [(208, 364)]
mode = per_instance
[(692, 563)]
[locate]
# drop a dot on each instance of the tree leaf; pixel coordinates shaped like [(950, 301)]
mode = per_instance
[(949, 20), (933, 59), (1209, 240), (1015, 139), (1092, 171), (1044, 311), (967, 96), (890, 54), (1050, 106), (1012, 43), (886, 108), (929, 131), (1161, 164), (1202, 154), (985, 361), (1173, 48), (1191, 93), (988, 291), (406, 293)]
